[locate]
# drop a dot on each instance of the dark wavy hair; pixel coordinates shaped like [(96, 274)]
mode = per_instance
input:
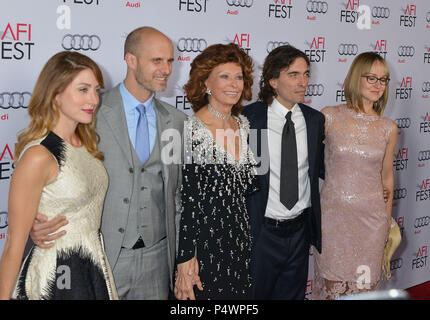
[(203, 65), (277, 60)]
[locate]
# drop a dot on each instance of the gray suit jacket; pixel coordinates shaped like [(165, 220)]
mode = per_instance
[(117, 149)]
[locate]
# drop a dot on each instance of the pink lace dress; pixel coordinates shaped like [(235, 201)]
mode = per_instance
[(354, 217)]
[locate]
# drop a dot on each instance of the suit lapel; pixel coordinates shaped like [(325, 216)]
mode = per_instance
[(164, 122), (115, 117), (310, 132)]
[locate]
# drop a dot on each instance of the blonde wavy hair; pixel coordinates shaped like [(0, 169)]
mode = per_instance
[(58, 72), (360, 67)]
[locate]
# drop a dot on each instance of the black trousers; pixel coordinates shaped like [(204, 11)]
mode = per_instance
[(280, 268)]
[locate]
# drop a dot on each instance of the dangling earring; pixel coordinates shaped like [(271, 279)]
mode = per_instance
[(208, 92)]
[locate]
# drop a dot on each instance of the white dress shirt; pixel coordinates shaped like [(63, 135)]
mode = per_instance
[(276, 120)]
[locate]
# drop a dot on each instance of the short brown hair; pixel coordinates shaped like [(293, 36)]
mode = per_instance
[(359, 67), (203, 65)]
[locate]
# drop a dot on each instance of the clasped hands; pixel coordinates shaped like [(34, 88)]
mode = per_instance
[(188, 277)]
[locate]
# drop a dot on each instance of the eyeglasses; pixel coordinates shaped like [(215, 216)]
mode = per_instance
[(373, 80)]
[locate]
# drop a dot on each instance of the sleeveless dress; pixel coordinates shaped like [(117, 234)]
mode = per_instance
[(76, 267), (354, 217), (214, 220)]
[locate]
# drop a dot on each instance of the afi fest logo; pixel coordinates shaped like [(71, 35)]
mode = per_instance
[(361, 15), (401, 159), (340, 94), (425, 124), (380, 47), (181, 101), (235, 5), (195, 6), (427, 54), (280, 9), (316, 51), (420, 259), (309, 288), (423, 192), (405, 90), (16, 41), (6, 162), (408, 16), (401, 222), (243, 41)]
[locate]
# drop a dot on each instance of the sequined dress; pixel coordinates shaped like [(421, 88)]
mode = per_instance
[(214, 221), (353, 212), (76, 267)]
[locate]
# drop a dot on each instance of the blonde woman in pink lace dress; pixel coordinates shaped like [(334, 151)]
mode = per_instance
[(359, 151)]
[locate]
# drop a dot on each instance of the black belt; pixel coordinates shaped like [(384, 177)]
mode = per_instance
[(285, 222)]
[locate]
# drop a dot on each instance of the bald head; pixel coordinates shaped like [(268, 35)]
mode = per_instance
[(138, 38)]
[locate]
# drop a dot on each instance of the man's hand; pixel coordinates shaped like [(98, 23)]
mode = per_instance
[(43, 230), (187, 278)]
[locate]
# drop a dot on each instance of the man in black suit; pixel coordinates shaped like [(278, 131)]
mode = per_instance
[(285, 213)]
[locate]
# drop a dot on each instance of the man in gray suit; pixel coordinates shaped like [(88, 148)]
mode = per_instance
[(138, 223)]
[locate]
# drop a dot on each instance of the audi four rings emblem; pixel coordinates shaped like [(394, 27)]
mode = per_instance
[(3, 220), (317, 6), (406, 51), (81, 42), (424, 155), (274, 44), (428, 17), (403, 123), (191, 45), (396, 264), (14, 100), (240, 3), (426, 86), (400, 193), (314, 90), (422, 222), (380, 12), (347, 49)]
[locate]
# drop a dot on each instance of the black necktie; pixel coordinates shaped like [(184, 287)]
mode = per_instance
[(289, 187)]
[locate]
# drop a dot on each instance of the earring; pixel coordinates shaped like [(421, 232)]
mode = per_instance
[(208, 92)]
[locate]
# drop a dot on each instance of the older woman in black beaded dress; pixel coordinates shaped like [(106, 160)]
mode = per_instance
[(214, 236)]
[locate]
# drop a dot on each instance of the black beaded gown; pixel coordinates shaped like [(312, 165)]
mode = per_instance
[(215, 224)]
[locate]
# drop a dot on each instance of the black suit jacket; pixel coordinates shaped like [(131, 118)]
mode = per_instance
[(257, 201)]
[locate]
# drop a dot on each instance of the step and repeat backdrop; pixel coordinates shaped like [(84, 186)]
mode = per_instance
[(330, 32)]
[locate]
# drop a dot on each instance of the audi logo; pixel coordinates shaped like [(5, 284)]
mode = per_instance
[(424, 155), (426, 87), (14, 100), (81, 42), (3, 220), (317, 6), (421, 222), (314, 90), (403, 123), (240, 3), (380, 12), (428, 17), (191, 45), (274, 44), (400, 193), (406, 51), (347, 49), (396, 264)]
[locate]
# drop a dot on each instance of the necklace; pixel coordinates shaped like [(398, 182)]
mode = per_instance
[(218, 114)]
